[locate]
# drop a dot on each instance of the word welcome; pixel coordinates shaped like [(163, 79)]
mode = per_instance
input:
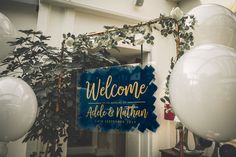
[(112, 90)]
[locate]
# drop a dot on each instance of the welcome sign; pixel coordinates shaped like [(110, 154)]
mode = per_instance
[(120, 97)]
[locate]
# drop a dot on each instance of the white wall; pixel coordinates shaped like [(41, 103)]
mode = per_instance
[(151, 8), (23, 17), (17, 148), (162, 52)]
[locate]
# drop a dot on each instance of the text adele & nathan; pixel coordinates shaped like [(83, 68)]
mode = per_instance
[(119, 112)]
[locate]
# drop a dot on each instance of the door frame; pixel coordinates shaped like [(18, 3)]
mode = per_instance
[(137, 140)]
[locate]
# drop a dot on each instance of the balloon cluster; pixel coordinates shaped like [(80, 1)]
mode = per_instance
[(18, 109), (203, 81), (18, 104)]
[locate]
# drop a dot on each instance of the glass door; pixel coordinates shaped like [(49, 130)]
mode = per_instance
[(87, 143)]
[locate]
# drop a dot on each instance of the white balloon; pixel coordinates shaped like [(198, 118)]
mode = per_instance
[(215, 24), (202, 91), (7, 33), (18, 108)]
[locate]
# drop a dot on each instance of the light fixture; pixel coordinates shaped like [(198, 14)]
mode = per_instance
[(139, 3)]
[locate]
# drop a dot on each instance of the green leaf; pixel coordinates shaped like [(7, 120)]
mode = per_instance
[(151, 38), (27, 32), (163, 100), (167, 98)]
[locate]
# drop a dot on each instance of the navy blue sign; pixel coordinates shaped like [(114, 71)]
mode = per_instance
[(117, 98)]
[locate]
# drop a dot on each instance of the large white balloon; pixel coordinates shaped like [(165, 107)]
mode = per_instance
[(202, 91), (215, 24), (18, 108), (7, 33)]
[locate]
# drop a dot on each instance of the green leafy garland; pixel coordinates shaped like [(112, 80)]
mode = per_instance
[(182, 32), (51, 71)]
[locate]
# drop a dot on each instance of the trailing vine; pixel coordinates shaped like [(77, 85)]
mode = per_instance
[(50, 71), (182, 31)]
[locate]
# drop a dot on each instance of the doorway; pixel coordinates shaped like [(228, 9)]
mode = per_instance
[(87, 143)]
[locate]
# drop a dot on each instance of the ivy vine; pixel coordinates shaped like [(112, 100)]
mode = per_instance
[(182, 32)]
